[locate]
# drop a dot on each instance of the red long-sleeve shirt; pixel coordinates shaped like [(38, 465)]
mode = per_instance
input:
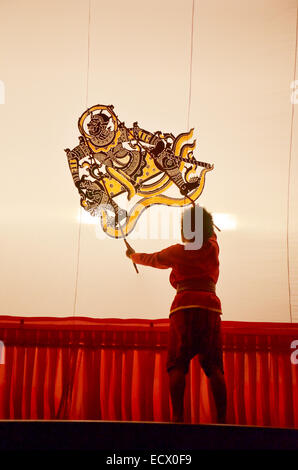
[(202, 264)]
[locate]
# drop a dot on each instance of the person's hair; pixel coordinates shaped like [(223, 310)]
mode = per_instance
[(208, 228)]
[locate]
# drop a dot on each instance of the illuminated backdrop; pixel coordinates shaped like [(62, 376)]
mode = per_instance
[(56, 60)]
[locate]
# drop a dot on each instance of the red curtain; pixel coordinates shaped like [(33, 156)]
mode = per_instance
[(113, 369)]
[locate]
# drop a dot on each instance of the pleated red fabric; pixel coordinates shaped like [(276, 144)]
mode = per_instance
[(114, 369)]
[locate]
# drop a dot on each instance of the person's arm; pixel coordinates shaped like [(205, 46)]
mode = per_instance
[(161, 259)]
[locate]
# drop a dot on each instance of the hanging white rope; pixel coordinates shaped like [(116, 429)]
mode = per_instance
[(190, 63), (289, 177), (190, 76), (80, 213)]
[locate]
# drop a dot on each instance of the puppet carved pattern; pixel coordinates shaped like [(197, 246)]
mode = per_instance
[(112, 159)]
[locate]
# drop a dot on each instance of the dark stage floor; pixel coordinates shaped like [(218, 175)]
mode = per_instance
[(23, 435)]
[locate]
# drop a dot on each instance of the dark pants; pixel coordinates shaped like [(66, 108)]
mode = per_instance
[(195, 331)]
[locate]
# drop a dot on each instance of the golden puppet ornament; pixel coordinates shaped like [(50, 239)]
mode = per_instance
[(112, 159)]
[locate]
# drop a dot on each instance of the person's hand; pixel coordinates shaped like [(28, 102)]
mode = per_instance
[(129, 252)]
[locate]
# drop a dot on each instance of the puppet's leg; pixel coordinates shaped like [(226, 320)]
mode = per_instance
[(120, 213), (167, 162), (184, 187), (94, 199)]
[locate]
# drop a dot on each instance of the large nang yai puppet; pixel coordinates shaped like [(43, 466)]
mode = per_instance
[(112, 159)]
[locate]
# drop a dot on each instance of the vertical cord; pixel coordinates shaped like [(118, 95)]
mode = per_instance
[(190, 65), (88, 54), (289, 176), (80, 213), (190, 76)]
